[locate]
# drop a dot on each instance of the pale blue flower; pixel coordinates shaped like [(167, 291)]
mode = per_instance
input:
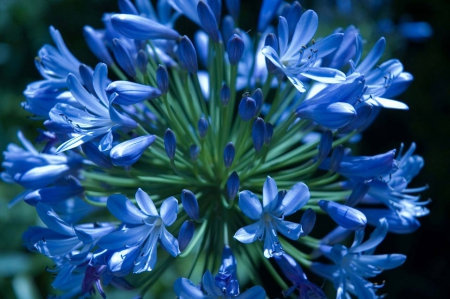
[(144, 227), (270, 215), (295, 58)]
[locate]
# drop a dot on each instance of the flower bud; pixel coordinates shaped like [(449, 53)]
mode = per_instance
[(194, 151), (130, 93), (94, 40), (308, 220), (185, 235), (137, 27), (233, 7), (128, 152), (39, 177), (345, 216), (258, 97), (271, 41), (142, 61), (202, 127), (228, 154), (268, 134), (170, 144), (227, 28), (123, 57), (233, 185), (235, 49), (225, 94), (247, 108), (258, 133), (162, 79), (190, 204), (188, 55), (325, 145), (208, 21), (95, 155), (53, 195)]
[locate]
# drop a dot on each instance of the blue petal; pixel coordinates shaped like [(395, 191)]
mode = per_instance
[(124, 238), (146, 203), (372, 58), (185, 289), (304, 31), (52, 220), (289, 229), (270, 194), (39, 177), (100, 81), (294, 199), (250, 205), (249, 233), (256, 292), (283, 34), (383, 261), (74, 142), (209, 285), (124, 210), (141, 28), (129, 152), (121, 263), (84, 97), (169, 210), (324, 75), (375, 239), (169, 242)]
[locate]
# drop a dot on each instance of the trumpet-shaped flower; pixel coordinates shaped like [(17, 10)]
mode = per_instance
[(295, 58), (144, 227), (98, 117), (353, 265), (270, 215)]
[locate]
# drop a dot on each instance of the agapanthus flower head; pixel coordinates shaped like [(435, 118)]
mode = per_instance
[(196, 120)]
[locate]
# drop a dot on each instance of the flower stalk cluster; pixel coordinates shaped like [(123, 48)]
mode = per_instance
[(196, 145)]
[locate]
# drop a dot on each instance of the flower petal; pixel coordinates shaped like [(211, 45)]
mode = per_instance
[(185, 289), (250, 205), (270, 194), (169, 242), (124, 210), (296, 198), (146, 203), (169, 210), (249, 233)]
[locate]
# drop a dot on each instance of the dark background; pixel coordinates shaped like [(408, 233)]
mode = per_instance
[(24, 29)]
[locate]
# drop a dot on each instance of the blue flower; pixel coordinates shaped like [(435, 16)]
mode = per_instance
[(35, 171), (223, 285), (143, 228), (353, 265), (296, 59), (292, 270), (97, 117), (392, 191), (270, 215)]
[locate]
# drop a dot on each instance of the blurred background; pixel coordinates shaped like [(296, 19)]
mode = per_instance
[(24, 29)]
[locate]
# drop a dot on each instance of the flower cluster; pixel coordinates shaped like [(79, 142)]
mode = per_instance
[(153, 144)]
